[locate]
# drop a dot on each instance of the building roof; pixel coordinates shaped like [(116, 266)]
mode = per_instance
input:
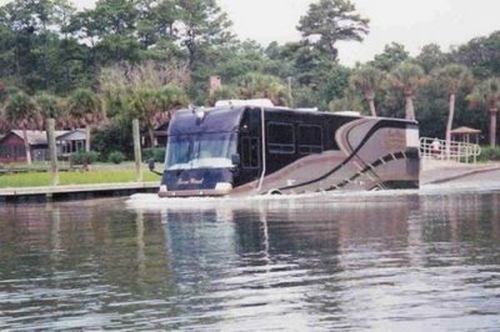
[(465, 130), (37, 137), (74, 135)]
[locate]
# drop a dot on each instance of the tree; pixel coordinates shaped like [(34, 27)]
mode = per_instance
[(50, 107), (256, 85), (85, 108), (154, 106), (408, 77), (332, 21), (203, 24), (481, 55), (349, 102), (145, 104), (21, 111), (120, 82), (156, 21), (367, 79), (394, 54), (453, 77), (487, 95), (431, 57)]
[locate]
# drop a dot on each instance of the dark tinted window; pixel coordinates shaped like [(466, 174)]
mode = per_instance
[(250, 152), (281, 138), (310, 139)]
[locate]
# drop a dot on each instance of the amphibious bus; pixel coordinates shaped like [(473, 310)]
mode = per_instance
[(252, 148)]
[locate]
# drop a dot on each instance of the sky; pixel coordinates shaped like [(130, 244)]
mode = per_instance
[(412, 23)]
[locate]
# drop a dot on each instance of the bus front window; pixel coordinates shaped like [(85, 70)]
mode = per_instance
[(200, 151)]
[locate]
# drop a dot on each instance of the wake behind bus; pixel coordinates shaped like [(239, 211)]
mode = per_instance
[(254, 148)]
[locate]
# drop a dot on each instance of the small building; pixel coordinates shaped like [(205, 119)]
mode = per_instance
[(71, 142), (12, 144), (465, 135), (161, 135)]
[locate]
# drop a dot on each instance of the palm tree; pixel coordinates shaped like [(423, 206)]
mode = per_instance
[(50, 107), (145, 104), (408, 77), (172, 96), (21, 111), (487, 95), (257, 85), (225, 92), (154, 106), (367, 79), (85, 107), (452, 77)]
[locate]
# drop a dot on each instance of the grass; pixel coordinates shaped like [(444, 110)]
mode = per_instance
[(97, 175)]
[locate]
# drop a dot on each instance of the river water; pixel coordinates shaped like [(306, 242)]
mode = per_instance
[(387, 261)]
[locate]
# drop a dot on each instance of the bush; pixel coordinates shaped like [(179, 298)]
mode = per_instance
[(158, 154), (116, 157), (112, 137), (487, 154), (85, 158)]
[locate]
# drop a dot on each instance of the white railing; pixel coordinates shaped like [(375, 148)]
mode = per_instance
[(432, 148)]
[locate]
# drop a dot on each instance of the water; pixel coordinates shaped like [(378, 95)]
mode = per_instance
[(387, 261)]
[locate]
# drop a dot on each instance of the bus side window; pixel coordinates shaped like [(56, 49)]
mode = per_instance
[(250, 156), (281, 138), (310, 139)]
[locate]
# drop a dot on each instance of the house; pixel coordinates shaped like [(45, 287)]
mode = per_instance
[(71, 142), (12, 144), (161, 135)]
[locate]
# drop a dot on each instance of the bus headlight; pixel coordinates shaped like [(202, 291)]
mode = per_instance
[(163, 188), (223, 186)]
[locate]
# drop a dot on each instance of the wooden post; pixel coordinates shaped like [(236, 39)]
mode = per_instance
[(137, 149), (87, 138), (51, 136)]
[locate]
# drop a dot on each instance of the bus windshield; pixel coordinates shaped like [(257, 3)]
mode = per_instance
[(205, 150)]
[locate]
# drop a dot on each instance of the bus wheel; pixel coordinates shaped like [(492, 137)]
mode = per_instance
[(274, 192)]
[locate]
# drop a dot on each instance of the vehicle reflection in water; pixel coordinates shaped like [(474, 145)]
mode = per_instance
[(374, 262), (353, 262)]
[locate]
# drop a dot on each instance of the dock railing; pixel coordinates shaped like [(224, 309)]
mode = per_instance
[(436, 149)]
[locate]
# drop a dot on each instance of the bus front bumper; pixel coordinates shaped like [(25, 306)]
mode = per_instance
[(221, 189)]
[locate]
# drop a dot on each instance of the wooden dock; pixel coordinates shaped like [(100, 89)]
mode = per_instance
[(73, 192)]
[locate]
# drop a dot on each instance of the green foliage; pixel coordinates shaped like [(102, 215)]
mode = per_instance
[(224, 93), (85, 158), (112, 137), (407, 77), (486, 97), (394, 54), (489, 154), (255, 85), (85, 107), (431, 58), (114, 175), (142, 59), (158, 154), (21, 111), (333, 21), (116, 157), (205, 26), (481, 55), (367, 79)]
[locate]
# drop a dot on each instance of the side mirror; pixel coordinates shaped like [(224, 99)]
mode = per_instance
[(235, 159), (151, 164)]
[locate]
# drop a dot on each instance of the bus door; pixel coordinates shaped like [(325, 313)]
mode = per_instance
[(250, 159)]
